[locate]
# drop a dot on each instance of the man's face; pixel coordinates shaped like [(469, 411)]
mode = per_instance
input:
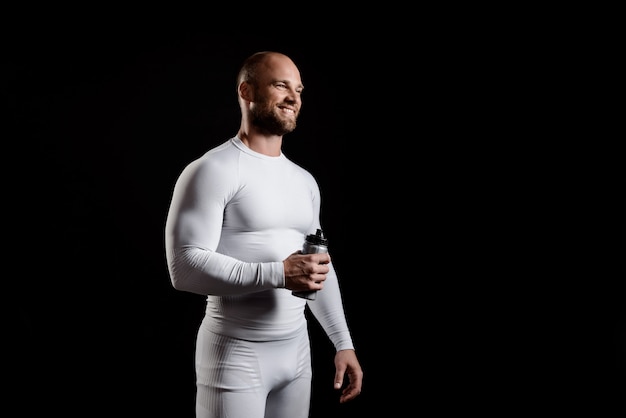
[(277, 100)]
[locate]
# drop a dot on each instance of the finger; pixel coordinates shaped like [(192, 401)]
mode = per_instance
[(322, 258), (349, 393), (339, 372)]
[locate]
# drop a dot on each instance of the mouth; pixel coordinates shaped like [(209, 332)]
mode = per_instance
[(288, 110)]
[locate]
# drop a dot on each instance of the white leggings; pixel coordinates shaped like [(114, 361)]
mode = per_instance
[(252, 379)]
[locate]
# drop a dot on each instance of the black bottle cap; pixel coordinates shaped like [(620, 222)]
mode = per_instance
[(318, 238)]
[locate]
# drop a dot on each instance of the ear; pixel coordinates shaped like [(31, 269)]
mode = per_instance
[(245, 91)]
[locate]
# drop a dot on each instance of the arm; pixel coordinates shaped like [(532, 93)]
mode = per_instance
[(192, 233), (328, 310)]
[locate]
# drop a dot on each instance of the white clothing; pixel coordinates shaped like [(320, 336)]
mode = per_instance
[(235, 215)]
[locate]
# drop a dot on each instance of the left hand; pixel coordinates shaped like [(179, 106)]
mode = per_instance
[(346, 363)]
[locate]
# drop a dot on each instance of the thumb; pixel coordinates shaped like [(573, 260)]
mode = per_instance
[(339, 378)]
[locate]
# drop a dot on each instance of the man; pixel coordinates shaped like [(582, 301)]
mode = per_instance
[(237, 221)]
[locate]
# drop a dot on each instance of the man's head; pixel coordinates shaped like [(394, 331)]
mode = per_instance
[(269, 89)]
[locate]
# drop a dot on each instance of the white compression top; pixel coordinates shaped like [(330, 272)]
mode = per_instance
[(235, 215)]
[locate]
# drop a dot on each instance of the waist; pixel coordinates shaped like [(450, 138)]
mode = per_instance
[(261, 316)]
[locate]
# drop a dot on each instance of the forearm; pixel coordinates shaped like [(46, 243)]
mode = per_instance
[(206, 272), (328, 310)]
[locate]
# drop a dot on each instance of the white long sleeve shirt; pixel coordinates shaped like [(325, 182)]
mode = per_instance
[(235, 215)]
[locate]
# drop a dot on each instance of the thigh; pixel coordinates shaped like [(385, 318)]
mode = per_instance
[(228, 378), (290, 362), (291, 400)]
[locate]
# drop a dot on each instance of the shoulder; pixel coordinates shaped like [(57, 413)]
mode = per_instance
[(300, 170), (213, 164), (220, 156)]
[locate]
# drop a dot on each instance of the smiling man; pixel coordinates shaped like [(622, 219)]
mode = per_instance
[(234, 232)]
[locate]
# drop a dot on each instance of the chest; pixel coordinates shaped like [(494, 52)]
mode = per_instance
[(269, 199)]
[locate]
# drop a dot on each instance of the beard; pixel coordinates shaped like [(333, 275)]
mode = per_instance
[(267, 120)]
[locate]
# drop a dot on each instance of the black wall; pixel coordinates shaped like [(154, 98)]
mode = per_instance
[(421, 149), (104, 123)]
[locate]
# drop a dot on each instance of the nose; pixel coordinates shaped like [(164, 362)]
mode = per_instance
[(293, 96)]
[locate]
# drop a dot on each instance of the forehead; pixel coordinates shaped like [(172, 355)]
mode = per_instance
[(278, 68)]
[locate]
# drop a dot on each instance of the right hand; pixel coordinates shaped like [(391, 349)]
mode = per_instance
[(306, 272)]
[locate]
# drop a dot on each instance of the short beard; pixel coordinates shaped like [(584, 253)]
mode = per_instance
[(268, 122)]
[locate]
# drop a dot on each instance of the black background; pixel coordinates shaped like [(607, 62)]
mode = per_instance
[(429, 223), (105, 122)]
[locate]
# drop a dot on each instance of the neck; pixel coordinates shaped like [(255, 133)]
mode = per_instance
[(263, 144)]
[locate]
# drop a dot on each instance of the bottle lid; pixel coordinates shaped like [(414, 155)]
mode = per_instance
[(318, 238)]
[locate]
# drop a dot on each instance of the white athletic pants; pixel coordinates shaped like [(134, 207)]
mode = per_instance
[(249, 379)]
